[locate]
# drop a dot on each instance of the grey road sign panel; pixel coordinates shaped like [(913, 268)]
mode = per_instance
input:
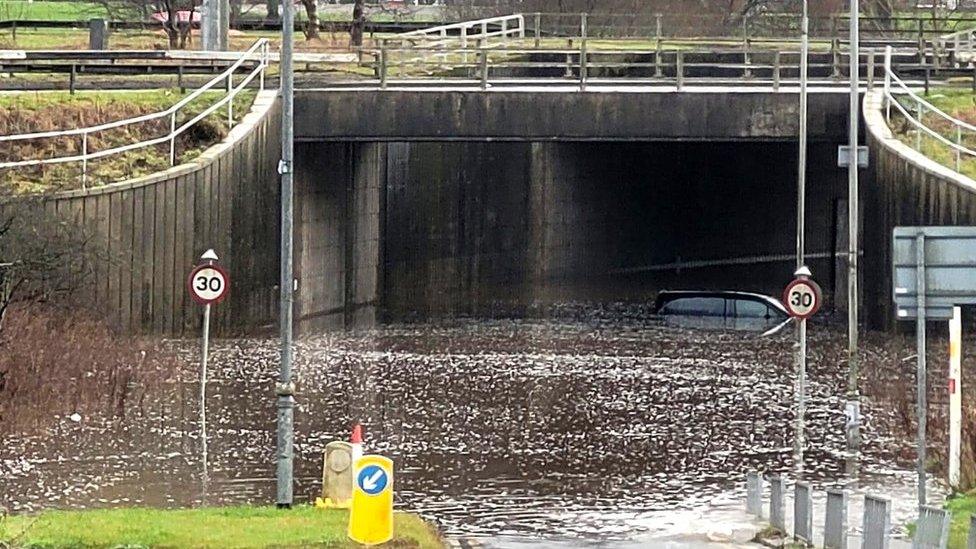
[(949, 267)]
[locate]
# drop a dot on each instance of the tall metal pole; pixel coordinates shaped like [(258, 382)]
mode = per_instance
[(801, 208), (921, 385), (286, 389), (853, 410)]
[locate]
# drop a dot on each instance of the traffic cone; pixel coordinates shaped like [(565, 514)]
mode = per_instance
[(357, 442)]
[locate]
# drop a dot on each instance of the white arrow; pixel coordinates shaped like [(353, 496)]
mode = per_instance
[(369, 483)]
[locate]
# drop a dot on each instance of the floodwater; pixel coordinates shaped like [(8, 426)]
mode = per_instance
[(590, 424)]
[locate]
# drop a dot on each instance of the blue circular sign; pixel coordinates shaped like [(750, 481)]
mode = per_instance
[(372, 479)]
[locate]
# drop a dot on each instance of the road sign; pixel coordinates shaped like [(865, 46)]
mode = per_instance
[(208, 284), (802, 298), (946, 256), (371, 516), (932, 272)]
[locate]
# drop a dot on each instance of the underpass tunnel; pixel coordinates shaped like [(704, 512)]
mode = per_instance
[(420, 229)]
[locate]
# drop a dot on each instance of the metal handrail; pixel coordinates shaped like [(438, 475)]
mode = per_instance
[(443, 30), (261, 46), (893, 85)]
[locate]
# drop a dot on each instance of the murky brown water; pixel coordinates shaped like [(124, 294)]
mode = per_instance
[(580, 425)]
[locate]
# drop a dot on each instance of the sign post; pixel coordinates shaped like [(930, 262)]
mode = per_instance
[(932, 274), (371, 516), (208, 284), (802, 299)]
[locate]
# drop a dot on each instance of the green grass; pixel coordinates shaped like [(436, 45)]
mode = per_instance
[(21, 10), (958, 103), (962, 507), (237, 527), (31, 111)]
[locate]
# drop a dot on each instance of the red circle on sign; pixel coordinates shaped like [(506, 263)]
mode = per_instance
[(202, 286), (794, 298)]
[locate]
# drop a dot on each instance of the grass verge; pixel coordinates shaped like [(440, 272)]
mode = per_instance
[(238, 527), (962, 507), (958, 103)]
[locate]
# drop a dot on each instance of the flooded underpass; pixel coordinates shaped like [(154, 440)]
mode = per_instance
[(592, 423)]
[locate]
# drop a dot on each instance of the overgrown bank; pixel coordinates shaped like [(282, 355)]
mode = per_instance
[(23, 113)]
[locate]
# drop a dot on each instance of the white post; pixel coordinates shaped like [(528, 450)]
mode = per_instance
[(955, 395), (172, 139), (203, 393), (887, 84)]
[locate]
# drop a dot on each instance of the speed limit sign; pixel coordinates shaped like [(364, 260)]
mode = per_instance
[(208, 284), (802, 298)]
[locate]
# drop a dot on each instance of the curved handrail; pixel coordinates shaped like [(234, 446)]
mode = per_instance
[(261, 46), (895, 86)]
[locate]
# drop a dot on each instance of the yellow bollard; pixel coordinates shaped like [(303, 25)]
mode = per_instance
[(371, 517)]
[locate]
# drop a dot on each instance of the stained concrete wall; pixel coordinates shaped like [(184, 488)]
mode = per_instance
[(338, 197), (910, 190), (152, 230), (539, 115)]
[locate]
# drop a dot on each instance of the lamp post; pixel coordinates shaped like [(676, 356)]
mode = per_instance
[(853, 406), (285, 389), (801, 191)]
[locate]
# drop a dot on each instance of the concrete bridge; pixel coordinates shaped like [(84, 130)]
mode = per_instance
[(418, 199)]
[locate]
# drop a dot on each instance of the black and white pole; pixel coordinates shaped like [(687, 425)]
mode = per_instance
[(285, 389), (208, 284)]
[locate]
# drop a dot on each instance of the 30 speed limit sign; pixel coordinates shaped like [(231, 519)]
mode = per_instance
[(802, 298), (208, 284)]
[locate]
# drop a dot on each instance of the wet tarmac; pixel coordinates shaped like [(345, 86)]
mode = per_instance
[(593, 424)]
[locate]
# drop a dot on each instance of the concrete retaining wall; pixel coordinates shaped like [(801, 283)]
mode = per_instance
[(152, 230), (909, 190), (551, 114)]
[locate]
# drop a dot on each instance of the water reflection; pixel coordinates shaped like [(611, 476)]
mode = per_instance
[(588, 424)]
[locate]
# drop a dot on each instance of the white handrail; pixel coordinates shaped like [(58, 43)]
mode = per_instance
[(895, 86), (261, 46), (441, 31)]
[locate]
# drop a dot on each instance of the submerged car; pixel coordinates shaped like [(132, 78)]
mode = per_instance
[(722, 310)]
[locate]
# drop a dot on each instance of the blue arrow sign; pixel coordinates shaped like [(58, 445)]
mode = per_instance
[(372, 479)]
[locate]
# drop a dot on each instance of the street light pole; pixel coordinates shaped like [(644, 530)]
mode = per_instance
[(853, 410), (285, 389), (801, 193)]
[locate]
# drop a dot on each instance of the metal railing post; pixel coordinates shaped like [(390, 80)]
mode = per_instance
[(657, 61), (464, 43), (483, 60), (658, 27), (71, 79), (583, 27), (172, 139), (776, 70), (537, 31), (746, 60), (230, 102), (679, 66), (870, 74), (521, 26), (835, 55), (384, 70), (958, 148), (583, 67), (918, 130), (264, 66), (84, 161), (887, 84)]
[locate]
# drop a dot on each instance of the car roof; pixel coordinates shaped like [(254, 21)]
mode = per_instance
[(669, 295)]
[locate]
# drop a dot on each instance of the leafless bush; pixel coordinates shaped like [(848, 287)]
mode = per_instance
[(55, 363)]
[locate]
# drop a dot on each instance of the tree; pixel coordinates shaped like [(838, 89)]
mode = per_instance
[(273, 10), (358, 24), (42, 258), (176, 16), (312, 25)]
